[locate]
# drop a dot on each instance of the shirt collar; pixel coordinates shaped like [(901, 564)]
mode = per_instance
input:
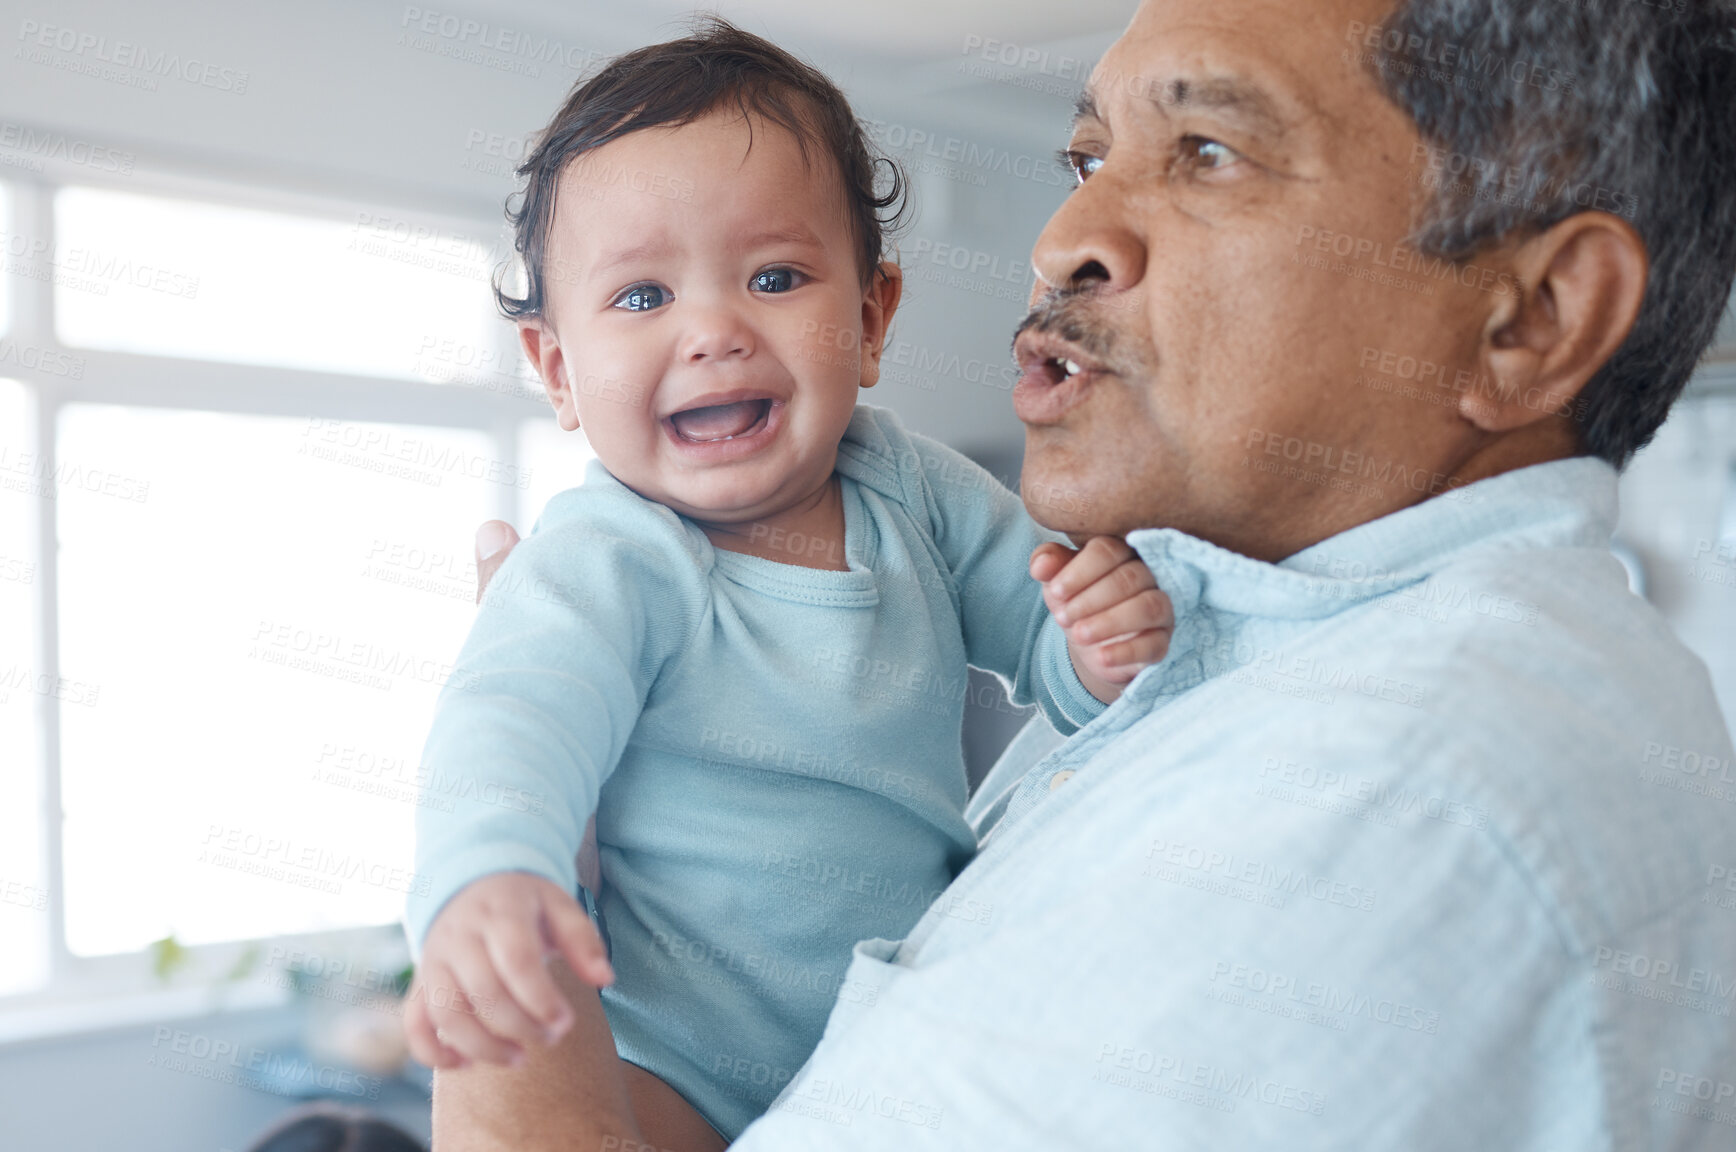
[(1563, 503)]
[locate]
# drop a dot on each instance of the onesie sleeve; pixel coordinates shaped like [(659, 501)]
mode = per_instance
[(984, 539), (569, 638)]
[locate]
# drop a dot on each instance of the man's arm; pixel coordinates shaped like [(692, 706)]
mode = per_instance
[(570, 1096)]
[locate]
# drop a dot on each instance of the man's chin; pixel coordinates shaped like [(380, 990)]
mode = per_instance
[(1056, 503)]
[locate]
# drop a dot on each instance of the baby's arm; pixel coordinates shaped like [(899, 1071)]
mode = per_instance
[(1116, 618), (992, 549), (537, 712)]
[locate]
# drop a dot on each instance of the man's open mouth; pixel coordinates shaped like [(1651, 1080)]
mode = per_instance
[(1058, 368), (1056, 376), (714, 422)]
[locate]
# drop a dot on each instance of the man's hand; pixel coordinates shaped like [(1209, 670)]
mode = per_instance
[(1116, 618), (483, 989), (494, 543)]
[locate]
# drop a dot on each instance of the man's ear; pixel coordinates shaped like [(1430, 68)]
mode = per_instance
[(879, 303), (1578, 289), (543, 349)]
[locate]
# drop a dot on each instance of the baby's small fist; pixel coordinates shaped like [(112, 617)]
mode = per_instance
[(1116, 618)]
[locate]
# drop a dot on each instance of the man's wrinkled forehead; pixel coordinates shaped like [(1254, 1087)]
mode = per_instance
[(1273, 69)]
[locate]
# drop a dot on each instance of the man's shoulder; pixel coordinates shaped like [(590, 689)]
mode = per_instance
[(1528, 691), (1588, 721)]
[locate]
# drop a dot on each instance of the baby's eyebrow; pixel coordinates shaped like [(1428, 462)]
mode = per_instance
[(612, 260), (793, 234)]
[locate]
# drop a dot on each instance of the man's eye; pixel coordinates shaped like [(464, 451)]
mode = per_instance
[(1082, 164), (1208, 154), (775, 280), (642, 298)]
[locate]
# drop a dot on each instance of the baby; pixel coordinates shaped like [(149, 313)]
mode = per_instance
[(743, 642)]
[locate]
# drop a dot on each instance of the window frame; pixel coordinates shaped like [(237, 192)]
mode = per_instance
[(84, 993)]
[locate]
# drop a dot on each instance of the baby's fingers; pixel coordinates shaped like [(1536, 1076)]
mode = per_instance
[(1145, 611), (520, 960), (471, 1020), (1104, 571), (496, 1002), (1119, 662), (425, 1045), (1048, 560), (571, 933), (1128, 583)]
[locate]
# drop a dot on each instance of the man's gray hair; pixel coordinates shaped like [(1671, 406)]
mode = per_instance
[(1533, 110)]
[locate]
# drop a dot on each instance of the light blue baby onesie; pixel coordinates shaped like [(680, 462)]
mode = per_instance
[(776, 749)]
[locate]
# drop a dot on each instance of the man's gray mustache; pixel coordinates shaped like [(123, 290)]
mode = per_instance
[(1069, 316)]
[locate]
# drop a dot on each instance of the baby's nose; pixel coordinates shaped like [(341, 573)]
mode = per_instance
[(716, 334)]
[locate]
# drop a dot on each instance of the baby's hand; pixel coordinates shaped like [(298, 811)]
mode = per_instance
[(483, 990), (1116, 618)]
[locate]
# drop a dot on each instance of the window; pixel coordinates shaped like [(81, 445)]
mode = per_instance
[(23, 889), (242, 455), (289, 614), (376, 294)]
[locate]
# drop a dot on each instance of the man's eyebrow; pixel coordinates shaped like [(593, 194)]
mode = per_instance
[(1232, 95), (1085, 108)]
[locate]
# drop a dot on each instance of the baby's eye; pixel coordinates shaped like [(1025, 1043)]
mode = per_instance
[(642, 298), (775, 280)]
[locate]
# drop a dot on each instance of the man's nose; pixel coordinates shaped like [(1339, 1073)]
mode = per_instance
[(715, 333), (1091, 240)]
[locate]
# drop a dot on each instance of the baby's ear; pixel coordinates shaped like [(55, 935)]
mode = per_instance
[(879, 304), (543, 349)]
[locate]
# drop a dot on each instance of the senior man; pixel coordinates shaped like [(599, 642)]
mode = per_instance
[(1351, 320)]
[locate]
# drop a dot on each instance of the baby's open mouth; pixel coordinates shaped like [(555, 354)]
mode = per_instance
[(721, 421)]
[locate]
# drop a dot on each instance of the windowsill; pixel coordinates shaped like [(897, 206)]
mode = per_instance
[(107, 992), (32, 1019)]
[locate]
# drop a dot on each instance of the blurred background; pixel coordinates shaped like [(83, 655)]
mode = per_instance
[(255, 398)]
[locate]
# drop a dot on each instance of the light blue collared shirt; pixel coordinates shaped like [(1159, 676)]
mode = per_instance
[(1422, 839)]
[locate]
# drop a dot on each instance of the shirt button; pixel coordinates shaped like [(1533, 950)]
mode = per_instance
[(1060, 778)]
